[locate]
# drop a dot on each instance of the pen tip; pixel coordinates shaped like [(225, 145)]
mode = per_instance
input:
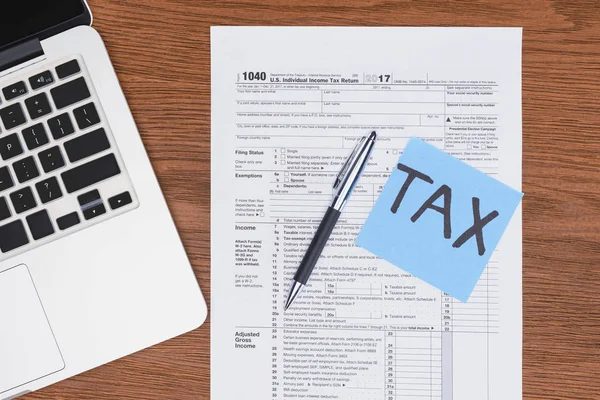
[(294, 291), (288, 303), (373, 135)]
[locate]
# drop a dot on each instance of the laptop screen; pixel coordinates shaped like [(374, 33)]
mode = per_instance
[(23, 18)]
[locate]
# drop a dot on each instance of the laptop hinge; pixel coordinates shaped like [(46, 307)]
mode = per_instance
[(20, 53)]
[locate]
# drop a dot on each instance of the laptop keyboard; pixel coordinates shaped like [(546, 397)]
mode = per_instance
[(60, 169)]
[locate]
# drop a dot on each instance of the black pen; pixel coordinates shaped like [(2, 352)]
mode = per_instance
[(343, 187)]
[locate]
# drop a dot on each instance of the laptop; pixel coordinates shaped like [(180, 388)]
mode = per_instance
[(91, 265)]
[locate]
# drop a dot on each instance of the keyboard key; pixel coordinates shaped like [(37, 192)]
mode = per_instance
[(48, 190), (25, 169), (40, 80), (70, 93), (23, 200), (12, 116), (86, 116), (67, 221), (89, 199), (86, 145), (35, 136), (51, 159), (10, 147), (5, 179), (13, 236), (90, 173), (67, 69), (60, 126), (4, 210), (40, 225), (91, 204), (94, 212), (15, 90), (38, 106), (119, 200)]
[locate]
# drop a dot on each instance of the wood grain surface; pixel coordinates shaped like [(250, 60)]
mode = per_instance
[(161, 51)]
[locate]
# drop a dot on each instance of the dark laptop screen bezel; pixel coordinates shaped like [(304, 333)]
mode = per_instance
[(27, 19)]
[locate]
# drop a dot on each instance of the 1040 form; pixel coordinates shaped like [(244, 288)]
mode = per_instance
[(288, 105)]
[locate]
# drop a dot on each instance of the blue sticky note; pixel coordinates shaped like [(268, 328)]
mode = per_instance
[(439, 219)]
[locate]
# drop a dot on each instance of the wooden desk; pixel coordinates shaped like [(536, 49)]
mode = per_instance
[(161, 51)]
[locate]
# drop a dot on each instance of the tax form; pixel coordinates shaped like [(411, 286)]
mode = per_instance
[(288, 105)]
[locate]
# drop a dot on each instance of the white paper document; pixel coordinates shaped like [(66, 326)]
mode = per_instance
[(288, 105)]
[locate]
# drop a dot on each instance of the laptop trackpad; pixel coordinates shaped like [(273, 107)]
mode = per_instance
[(28, 350)]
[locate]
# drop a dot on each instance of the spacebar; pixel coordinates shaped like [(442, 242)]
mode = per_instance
[(90, 173)]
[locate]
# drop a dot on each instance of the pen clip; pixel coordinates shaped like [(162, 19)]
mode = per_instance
[(344, 170)]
